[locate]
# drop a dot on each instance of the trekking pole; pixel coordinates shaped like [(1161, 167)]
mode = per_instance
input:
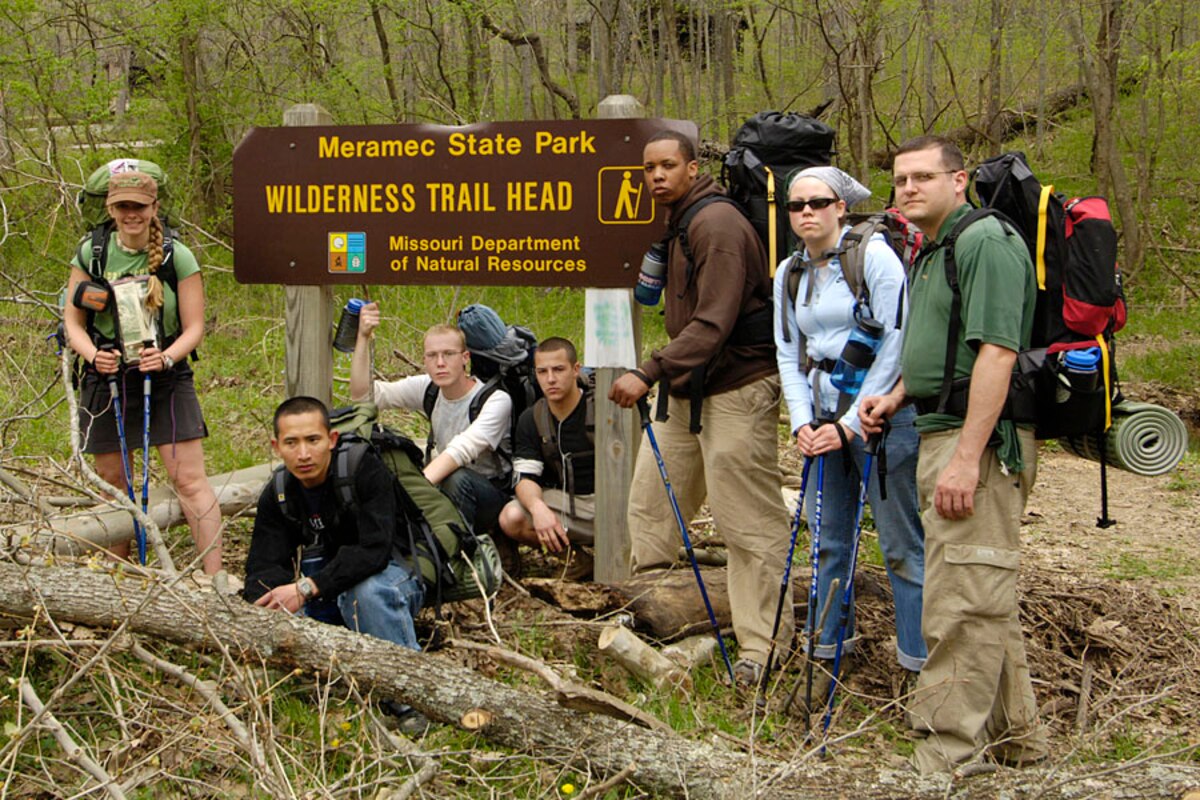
[(848, 592), (644, 410), (833, 587), (813, 596), (146, 384), (118, 409), (787, 574)]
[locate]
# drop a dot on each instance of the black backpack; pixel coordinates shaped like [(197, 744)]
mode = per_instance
[(454, 563), (1080, 303), (766, 150)]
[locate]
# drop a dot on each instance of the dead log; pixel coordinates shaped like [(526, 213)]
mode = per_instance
[(641, 660), (667, 764), (668, 603), (691, 652), (72, 534)]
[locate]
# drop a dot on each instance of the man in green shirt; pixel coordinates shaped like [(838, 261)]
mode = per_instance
[(974, 698)]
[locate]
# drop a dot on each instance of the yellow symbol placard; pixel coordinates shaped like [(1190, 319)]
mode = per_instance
[(622, 197)]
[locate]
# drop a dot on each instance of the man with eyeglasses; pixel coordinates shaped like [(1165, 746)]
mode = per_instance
[(469, 466), (720, 439), (974, 698)]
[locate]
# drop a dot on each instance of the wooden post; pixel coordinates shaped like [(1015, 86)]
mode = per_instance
[(616, 428), (309, 309)]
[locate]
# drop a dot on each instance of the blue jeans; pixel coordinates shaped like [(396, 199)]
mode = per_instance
[(383, 605), (477, 498), (901, 537)]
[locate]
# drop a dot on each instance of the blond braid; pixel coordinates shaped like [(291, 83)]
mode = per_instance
[(154, 259)]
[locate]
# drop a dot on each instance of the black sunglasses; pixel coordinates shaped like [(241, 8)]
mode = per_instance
[(817, 203)]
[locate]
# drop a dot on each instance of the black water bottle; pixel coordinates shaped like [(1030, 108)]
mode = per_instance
[(347, 328)]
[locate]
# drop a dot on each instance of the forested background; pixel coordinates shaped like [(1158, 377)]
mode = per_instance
[(1101, 92)]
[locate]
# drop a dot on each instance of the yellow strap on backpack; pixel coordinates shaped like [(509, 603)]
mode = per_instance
[(1043, 201), (772, 259), (1104, 356)]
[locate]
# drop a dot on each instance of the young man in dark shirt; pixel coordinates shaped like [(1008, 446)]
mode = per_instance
[(555, 507), (299, 513)]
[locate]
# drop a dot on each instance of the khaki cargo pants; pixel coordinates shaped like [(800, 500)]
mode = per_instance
[(974, 691), (734, 461)]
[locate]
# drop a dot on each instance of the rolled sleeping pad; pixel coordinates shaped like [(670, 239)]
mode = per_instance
[(1145, 439)]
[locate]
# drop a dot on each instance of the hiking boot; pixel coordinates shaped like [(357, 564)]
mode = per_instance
[(576, 564), (405, 718), (510, 555), (747, 675)]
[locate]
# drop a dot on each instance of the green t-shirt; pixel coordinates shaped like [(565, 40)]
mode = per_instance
[(121, 264), (998, 288)]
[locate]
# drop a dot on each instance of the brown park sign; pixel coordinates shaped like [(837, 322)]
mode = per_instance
[(548, 203)]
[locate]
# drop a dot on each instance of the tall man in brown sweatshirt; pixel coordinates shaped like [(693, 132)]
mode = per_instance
[(721, 359)]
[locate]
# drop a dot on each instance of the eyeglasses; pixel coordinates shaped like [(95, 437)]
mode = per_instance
[(443, 355), (817, 203), (899, 181), (129, 206)]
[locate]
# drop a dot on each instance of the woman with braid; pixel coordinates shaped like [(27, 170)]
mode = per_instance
[(174, 321)]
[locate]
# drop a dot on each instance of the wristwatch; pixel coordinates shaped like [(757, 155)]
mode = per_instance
[(307, 589), (168, 362)]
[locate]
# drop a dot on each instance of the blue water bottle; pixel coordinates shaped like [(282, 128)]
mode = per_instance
[(653, 275), (857, 356), (1082, 370), (347, 327)]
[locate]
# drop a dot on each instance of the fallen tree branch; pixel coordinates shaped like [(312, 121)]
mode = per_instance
[(568, 693), (74, 753)]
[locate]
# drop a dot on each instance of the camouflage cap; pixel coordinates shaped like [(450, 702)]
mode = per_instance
[(135, 186)]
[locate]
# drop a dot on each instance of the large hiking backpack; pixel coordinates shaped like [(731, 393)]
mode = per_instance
[(454, 563), (1080, 302), (766, 150), (501, 357)]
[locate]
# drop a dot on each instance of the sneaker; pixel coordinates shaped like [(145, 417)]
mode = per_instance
[(747, 674), (405, 718), (577, 564)]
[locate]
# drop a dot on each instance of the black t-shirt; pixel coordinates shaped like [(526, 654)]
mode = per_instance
[(572, 439)]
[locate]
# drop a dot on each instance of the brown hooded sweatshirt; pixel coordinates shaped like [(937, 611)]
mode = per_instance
[(728, 280)]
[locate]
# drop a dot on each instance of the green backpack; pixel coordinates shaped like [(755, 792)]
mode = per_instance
[(93, 197), (455, 564)]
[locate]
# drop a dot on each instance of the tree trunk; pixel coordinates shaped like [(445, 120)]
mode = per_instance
[(666, 765), (929, 112), (385, 57)]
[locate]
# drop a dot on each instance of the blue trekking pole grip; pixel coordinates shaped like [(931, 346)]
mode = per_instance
[(872, 447), (644, 411)]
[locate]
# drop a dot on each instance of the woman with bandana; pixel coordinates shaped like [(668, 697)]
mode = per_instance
[(810, 333)]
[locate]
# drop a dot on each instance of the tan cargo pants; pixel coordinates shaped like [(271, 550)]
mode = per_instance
[(734, 461), (974, 691)]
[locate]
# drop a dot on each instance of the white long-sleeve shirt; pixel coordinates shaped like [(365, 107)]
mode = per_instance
[(821, 329), (470, 444)]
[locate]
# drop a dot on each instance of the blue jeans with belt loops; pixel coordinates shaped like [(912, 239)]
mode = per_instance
[(384, 604), (901, 537)]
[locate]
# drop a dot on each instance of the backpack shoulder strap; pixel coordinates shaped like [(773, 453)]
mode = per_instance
[(589, 416), (543, 420), (853, 256), (489, 388), (279, 489), (955, 322), (347, 458), (679, 229), (427, 403), (96, 257)]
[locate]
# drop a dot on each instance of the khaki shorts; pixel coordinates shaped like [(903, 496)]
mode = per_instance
[(580, 526)]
